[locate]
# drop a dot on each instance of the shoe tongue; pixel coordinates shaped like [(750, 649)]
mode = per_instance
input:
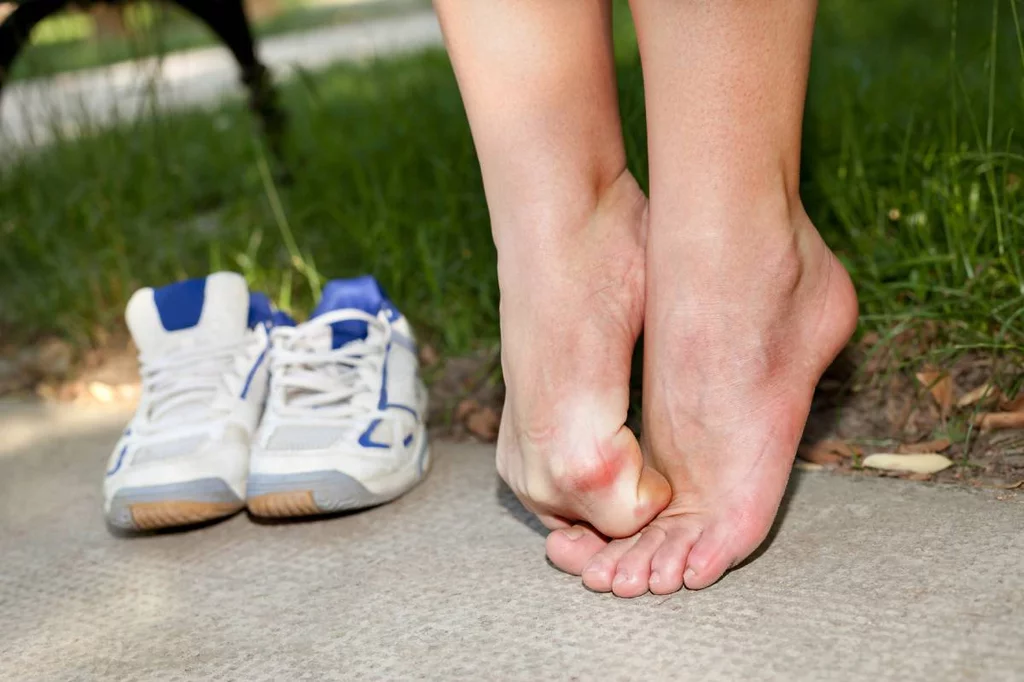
[(359, 293), (184, 315)]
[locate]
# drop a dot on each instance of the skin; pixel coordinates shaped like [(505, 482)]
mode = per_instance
[(538, 83), (742, 303)]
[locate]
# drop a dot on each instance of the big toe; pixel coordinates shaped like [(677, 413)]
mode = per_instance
[(571, 549), (637, 494)]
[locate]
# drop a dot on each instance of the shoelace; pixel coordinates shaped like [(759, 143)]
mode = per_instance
[(188, 378), (341, 382)]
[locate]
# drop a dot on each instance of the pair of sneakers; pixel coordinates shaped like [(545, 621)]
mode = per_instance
[(241, 406)]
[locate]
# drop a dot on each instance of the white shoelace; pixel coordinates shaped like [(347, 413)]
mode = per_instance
[(310, 381), (193, 378)]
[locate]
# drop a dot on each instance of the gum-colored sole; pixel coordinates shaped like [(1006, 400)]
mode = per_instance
[(296, 503), (153, 515)]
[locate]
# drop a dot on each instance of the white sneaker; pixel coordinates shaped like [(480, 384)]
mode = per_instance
[(344, 422), (184, 457)]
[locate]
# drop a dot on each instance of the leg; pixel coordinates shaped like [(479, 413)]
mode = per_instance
[(227, 19), (746, 306), (538, 82)]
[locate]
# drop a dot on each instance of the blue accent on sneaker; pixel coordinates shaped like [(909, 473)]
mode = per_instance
[(407, 441), (180, 304), (260, 310), (390, 311), (282, 319), (382, 403), (252, 372), (365, 439), (120, 460), (361, 293), (406, 408)]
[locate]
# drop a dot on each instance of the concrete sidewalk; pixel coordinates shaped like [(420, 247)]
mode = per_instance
[(866, 579), (31, 112)]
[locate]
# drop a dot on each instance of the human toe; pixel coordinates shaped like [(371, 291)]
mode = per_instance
[(669, 560), (634, 569), (570, 549), (599, 573)]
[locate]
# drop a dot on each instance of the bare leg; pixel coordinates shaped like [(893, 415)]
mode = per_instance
[(746, 306), (538, 82)]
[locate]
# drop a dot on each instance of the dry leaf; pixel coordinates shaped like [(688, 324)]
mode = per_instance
[(484, 424), (869, 339), (924, 447), (92, 358), (47, 392), (1012, 486), (940, 385), (929, 463), (101, 392), (807, 466), (70, 391), (982, 393), (826, 452), (428, 356), (465, 408), (1000, 420), (100, 335)]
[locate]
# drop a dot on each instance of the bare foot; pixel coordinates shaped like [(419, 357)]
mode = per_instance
[(572, 306), (737, 336)]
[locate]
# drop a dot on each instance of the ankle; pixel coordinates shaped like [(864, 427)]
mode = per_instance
[(555, 220), (759, 252), (600, 236)]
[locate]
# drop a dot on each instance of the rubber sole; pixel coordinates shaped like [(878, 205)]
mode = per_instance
[(172, 505), (307, 494), (154, 515), (280, 505), (320, 492)]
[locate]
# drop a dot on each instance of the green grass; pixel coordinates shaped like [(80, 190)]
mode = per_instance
[(67, 41), (913, 165), (912, 171)]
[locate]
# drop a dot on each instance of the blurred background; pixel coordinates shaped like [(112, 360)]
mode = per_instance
[(912, 168)]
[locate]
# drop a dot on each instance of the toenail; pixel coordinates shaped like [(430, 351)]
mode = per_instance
[(621, 578), (690, 574), (655, 578), (573, 533), (595, 566)]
